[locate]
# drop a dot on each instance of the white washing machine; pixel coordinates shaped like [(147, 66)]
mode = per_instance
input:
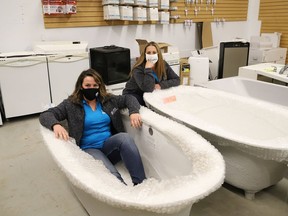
[(24, 83)]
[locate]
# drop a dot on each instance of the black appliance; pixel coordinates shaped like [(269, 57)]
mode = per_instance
[(112, 62), (232, 56)]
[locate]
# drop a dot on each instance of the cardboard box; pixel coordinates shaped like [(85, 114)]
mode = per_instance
[(140, 2), (184, 71), (142, 43), (152, 3), (126, 12), (139, 14), (126, 1), (107, 2), (164, 4), (152, 14), (274, 38), (164, 17), (53, 7), (111, 12)]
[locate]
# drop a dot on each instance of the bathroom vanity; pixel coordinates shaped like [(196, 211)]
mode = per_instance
[(268, 70)]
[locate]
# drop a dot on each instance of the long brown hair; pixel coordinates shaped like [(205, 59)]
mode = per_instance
[(160, 69), (77, 95)]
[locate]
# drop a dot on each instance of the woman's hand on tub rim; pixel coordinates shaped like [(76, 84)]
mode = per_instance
[(135, 120)]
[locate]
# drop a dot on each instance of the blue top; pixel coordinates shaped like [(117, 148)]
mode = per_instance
[(156, 77), (96, 127)]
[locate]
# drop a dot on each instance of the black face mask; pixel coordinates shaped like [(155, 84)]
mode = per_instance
[(90, 93)]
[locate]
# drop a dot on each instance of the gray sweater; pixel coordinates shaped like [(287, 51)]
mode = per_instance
[(74, 114), (144, 81)]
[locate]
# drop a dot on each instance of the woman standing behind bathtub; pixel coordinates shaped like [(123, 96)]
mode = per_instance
[(150, 72), (95, 122)]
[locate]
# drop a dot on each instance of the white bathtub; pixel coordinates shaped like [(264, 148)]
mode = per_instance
[(269, 92), (181, 167), (251, 134)]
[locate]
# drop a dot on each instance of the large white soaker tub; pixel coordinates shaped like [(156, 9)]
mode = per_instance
[(181, 167), (269, 92), (251, 134)]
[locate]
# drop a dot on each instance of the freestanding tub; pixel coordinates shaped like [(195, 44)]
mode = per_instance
[(251, 134), (261, 90), (181, 167)]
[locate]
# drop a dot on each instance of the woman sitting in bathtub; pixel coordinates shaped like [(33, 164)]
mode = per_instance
[(150, 72), (94, 121)]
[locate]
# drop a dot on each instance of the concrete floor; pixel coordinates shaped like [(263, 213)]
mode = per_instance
[(31, 184)]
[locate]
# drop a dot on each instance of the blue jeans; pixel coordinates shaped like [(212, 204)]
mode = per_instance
[(120, 147)]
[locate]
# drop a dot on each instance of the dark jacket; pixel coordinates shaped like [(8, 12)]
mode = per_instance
[(74, 114), (143, 80)]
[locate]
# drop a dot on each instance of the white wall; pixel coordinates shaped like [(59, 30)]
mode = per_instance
[(22, 24), (224, 31), (125, 36)]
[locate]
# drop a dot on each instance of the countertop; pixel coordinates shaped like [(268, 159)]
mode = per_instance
[(270, 70)]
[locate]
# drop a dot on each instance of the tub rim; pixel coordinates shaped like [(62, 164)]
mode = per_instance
[(165, 207), (280, 152)]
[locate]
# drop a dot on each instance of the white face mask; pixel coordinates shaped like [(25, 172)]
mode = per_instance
[(152, 58)]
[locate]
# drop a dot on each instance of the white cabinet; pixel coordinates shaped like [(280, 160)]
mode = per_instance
[(273, 55), (24, 85), (65, 61), (30, 84), (64, 70)]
